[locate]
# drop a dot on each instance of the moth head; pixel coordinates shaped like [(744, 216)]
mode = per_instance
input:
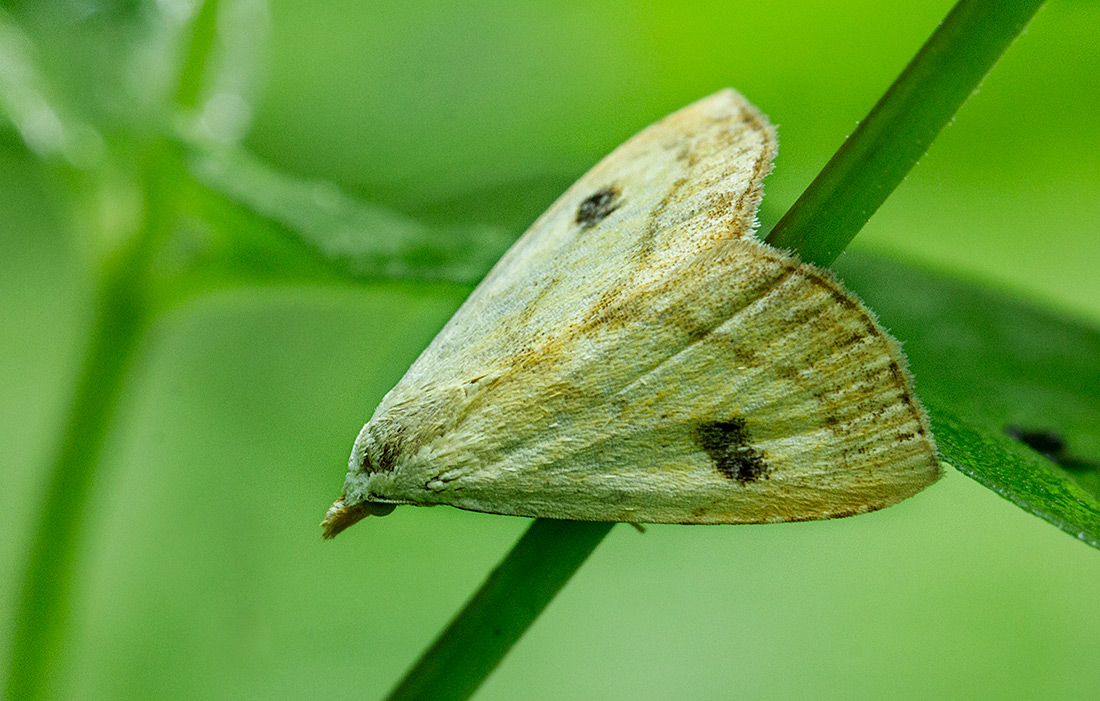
[(356, 503), (393, 436)]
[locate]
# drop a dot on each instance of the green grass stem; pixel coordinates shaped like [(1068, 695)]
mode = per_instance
[(204, 30), (900, 128), (866, 169), (508, 602)]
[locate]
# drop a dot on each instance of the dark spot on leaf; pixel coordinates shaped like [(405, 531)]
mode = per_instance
[(729, 445), (597, 207), (1050, 445), (1040, 440)]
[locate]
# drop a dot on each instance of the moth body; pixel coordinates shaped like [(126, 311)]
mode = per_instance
[(639, 355)]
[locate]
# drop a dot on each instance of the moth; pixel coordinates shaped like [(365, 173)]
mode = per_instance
[(639, 355)]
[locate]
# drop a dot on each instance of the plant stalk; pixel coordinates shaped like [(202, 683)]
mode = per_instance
[(821, 223), (122, 314), (509, 601), (118, 326), (900, 128), (200, 46)]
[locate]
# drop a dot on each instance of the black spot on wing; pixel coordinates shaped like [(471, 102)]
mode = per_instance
[(598, 206), (729, 445)]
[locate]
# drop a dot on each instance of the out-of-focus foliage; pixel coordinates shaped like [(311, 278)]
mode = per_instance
[(200, 570)]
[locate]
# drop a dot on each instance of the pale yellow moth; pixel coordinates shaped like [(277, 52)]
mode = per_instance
[(639, 355)]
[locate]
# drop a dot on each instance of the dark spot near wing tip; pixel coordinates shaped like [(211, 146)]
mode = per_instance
[(597, 207), (729, 445)]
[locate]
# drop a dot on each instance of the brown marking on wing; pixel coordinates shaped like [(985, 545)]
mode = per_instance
[(645, 243)]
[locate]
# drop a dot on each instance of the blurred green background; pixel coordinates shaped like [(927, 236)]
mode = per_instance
[(202, 571)]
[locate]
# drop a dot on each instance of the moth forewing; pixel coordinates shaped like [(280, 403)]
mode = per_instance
[(638, 355)]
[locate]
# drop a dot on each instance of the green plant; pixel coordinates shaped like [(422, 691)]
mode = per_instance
[(214, 218)]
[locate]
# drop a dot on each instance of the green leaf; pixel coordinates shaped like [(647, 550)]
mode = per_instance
[(988, 366), (1018, 474), (361, 239)]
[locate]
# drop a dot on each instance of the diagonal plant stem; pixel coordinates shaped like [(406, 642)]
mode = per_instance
[(900, 128), (866, 169), (510, 600)]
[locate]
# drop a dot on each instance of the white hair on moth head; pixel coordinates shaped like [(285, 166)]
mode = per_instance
[(359, 450)]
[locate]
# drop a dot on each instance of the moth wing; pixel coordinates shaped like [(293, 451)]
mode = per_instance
[(639, 356), (744, 387), (668, 192)]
